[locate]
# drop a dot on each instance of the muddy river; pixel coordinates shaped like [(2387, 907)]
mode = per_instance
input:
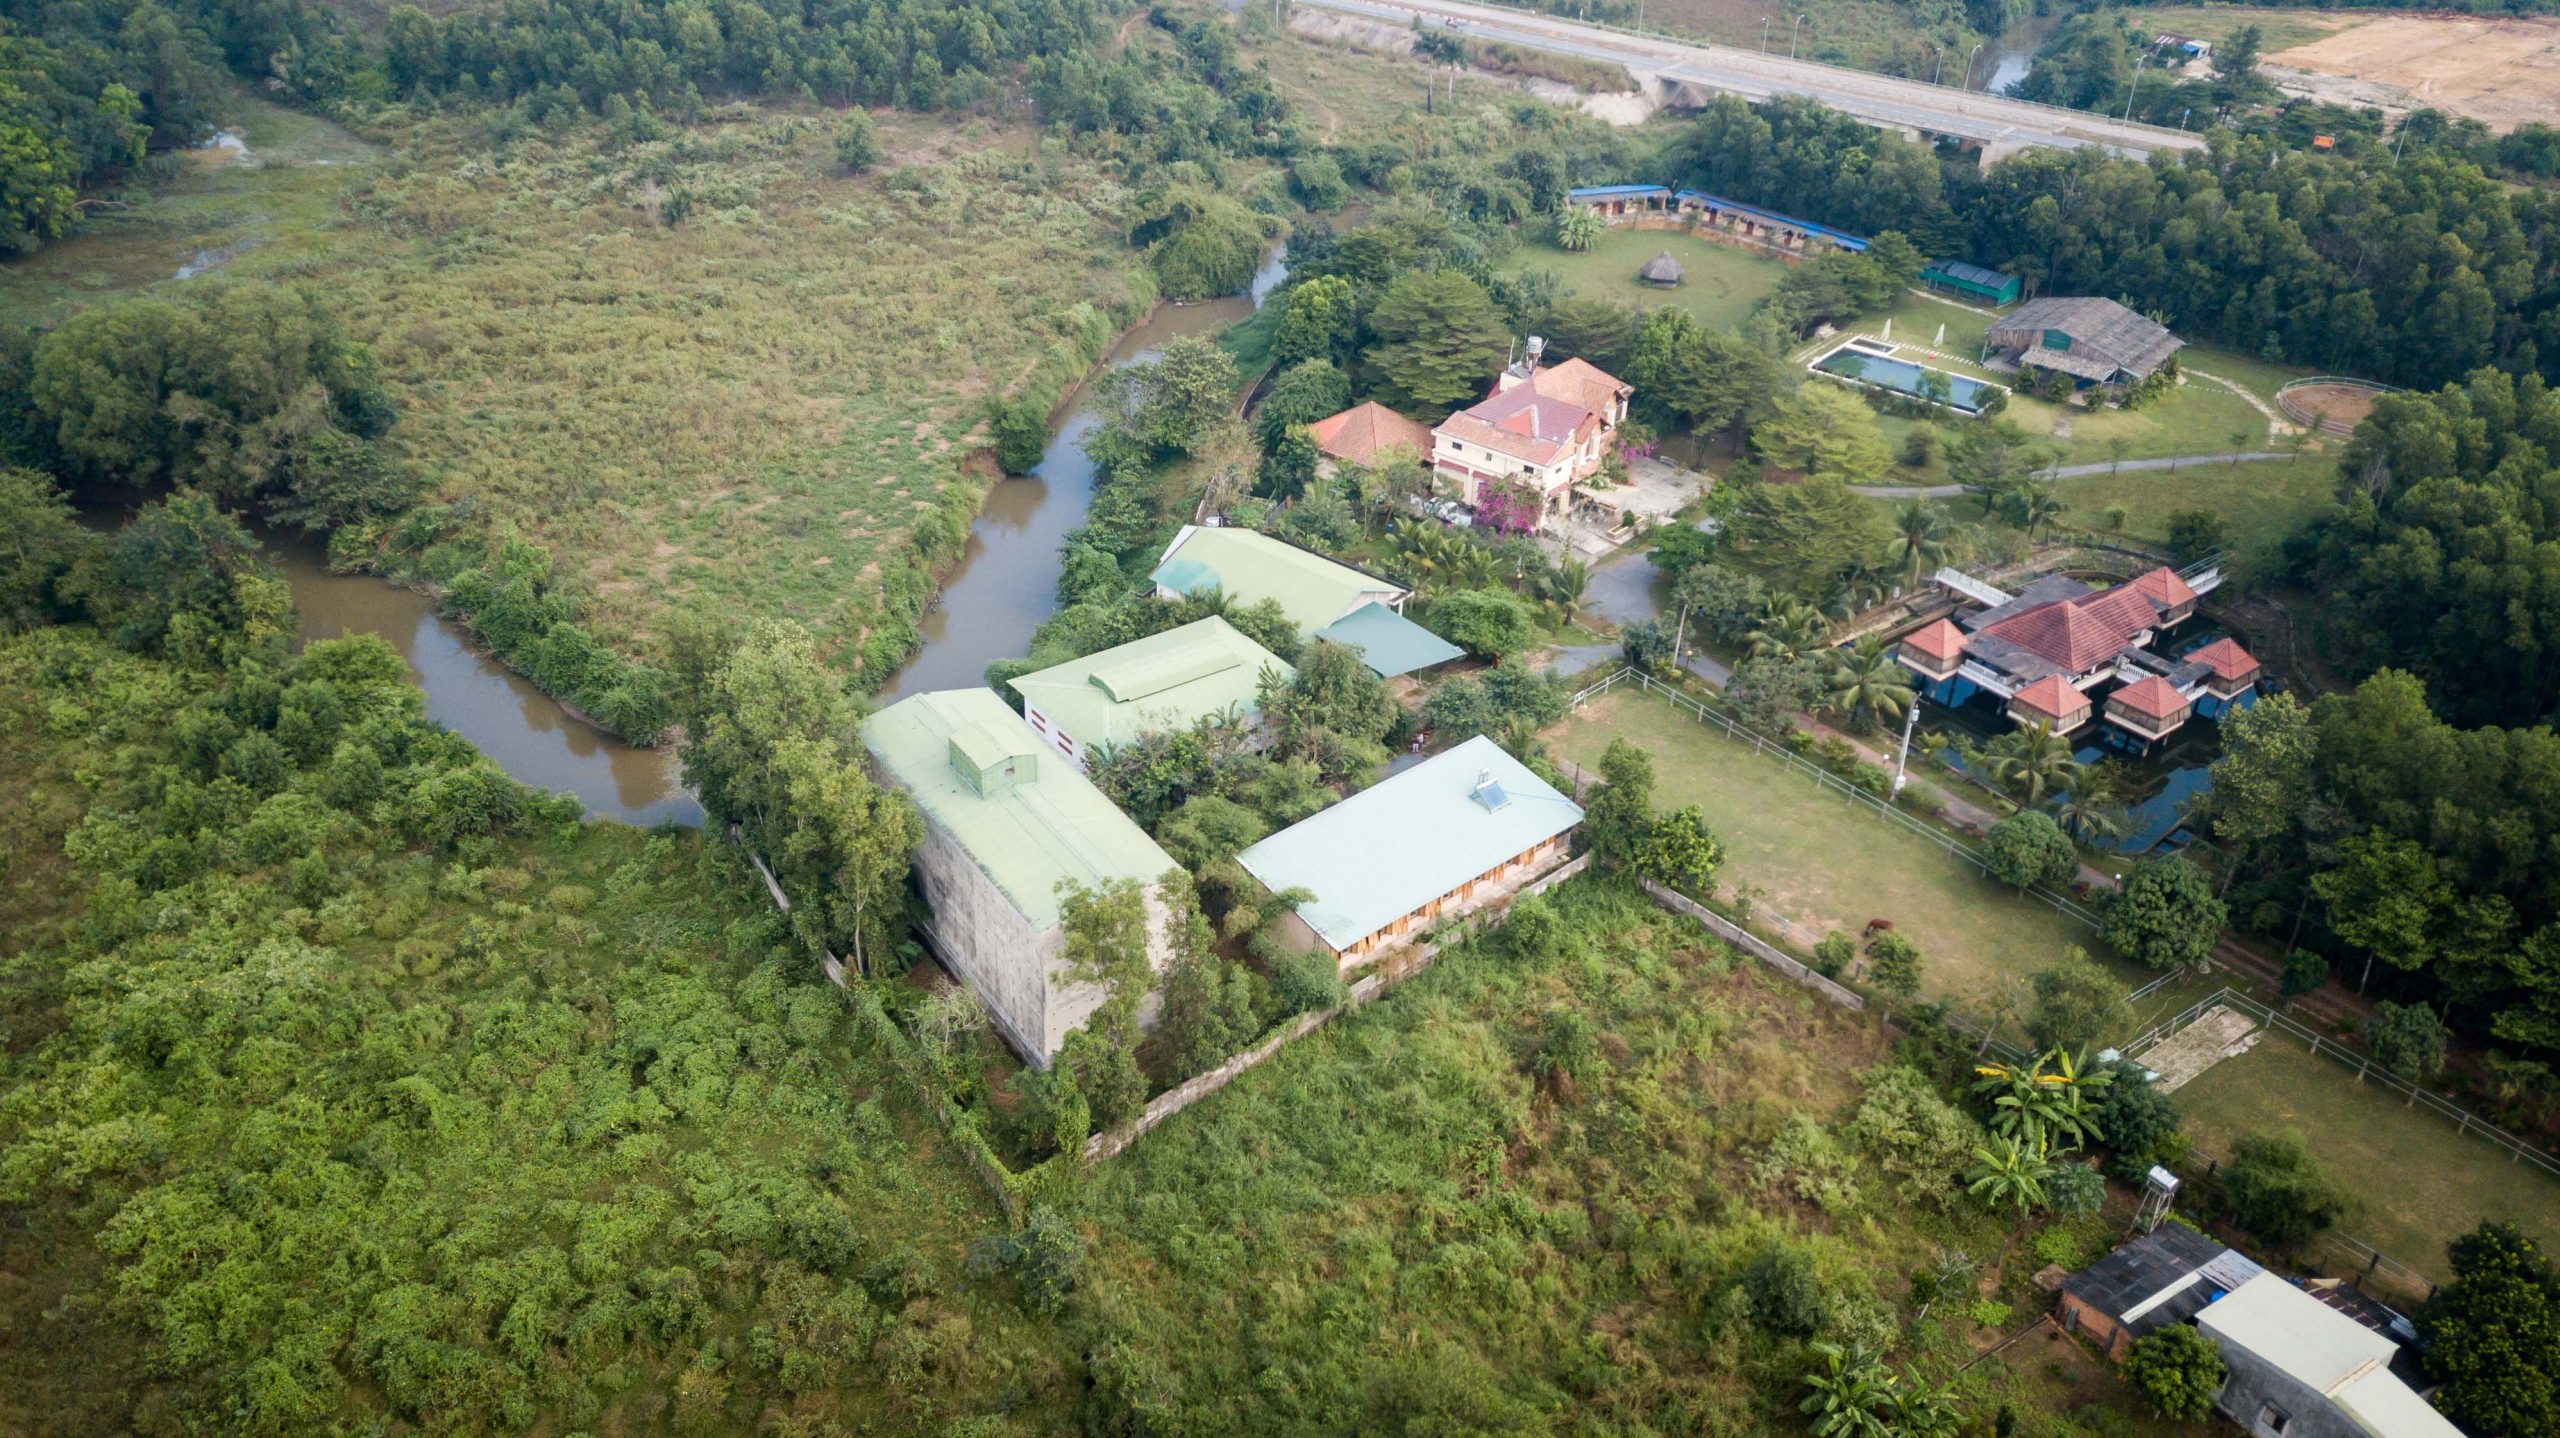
[(1006, 583), (526, 731)]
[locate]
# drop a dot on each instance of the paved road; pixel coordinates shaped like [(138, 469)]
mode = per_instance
[(2075, 471), (1993, 121)]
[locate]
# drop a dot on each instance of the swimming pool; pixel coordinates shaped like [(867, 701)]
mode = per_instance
[(1855, 363)]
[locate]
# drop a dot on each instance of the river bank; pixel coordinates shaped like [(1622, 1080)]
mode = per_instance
[(1005, 584)]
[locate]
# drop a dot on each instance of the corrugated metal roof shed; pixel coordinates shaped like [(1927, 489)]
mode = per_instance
[(1389, 643), (1043, 822), (1312, 590), (2305, 1338), (1147, 686), (1396, 846)]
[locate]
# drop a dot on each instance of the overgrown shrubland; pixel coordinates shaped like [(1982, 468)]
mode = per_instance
[(348, 1080)]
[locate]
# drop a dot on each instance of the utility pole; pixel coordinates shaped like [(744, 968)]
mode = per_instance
[(1940, 55), (2130, 87)]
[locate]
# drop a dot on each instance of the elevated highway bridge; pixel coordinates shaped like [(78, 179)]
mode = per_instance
[(1992, 124)]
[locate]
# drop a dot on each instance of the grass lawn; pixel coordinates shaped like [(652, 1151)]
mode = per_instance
[(1825, 863), (2417, 1179), (2200, 416), (1719, 284), (2278, 28), (2259, 503)]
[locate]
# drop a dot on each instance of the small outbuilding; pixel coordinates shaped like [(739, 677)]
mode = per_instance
[(1992, 287), (1368, 434), (1661, 270), (1389, 643), (1449, 836)]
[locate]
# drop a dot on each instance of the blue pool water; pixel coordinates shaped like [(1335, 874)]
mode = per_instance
[(1903, 377)]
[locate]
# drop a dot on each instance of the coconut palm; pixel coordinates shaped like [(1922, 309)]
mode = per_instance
[(2007, 1174), (2030, 763), (2088, 810), (1786, 628), (1867, 684), (1579, 227), (2037, 505), (1921, 533), (1561, 588)]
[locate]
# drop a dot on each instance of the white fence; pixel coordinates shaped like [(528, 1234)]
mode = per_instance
[(2362, 1064), (1824, 779)]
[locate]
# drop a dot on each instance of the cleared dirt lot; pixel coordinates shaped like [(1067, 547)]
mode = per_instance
[(2503, 72)]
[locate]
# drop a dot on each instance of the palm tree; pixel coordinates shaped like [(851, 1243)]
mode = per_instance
[(1786, 628), (2036, 505), (2030, 763), (1846, 1392), (1562, 587), (2088, 810), (2006, 1174), (1920, 535), (1868, 685)]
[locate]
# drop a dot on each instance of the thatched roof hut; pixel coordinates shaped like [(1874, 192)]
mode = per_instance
[(1660, 270)]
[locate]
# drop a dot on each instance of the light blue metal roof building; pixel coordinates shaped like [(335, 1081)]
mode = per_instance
[(1395, 849), (1389, 643)]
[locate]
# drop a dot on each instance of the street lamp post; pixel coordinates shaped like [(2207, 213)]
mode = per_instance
[(1902, 761), (2131, 86), (1764, 34), (1791, 35), (1939, 55), (1968, 67)]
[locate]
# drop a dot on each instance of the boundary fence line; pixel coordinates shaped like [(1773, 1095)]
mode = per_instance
[(2350, 1056), (1824, 778)]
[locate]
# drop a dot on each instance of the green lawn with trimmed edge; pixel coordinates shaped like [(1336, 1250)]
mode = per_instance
[(1826, 863), (1719, 284), (2200, 416), (2417, 1179), (2259, 503)]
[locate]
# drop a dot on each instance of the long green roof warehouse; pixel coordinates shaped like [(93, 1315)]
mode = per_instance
[(1453, 834), (1155, 685), (1005, 822)]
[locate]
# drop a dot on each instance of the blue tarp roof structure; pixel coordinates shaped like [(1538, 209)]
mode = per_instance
[(1608, 192), (1842, 238), (1389, 643)]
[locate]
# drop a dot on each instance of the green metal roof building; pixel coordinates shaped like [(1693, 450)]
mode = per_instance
[(1163, 682), (1312, 590), (1989, 286), (1389, 643), (1006, 821), (1445, 836)]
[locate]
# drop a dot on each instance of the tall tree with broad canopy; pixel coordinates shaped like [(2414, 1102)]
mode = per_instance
[(1439, 340), (2493, 1335)]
